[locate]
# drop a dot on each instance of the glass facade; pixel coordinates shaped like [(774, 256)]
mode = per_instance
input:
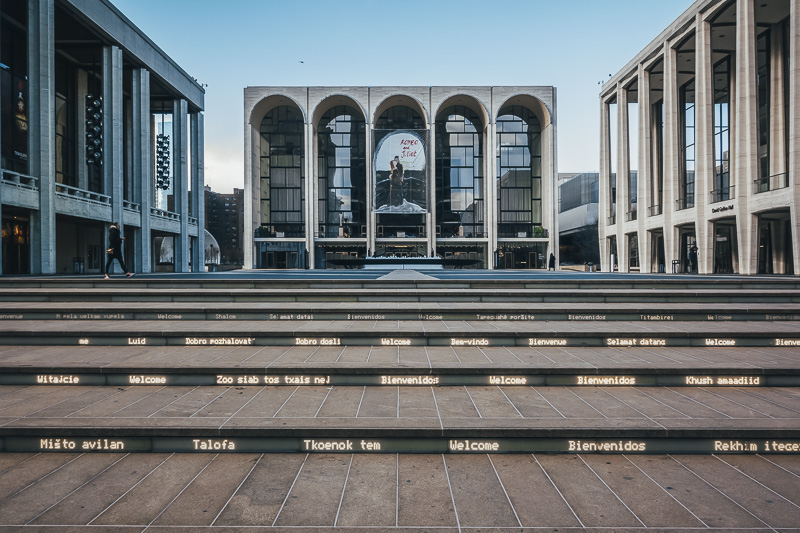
[(722, 136), (66, 167), (14, 86), (459, 174), (612, 158), (687, 94), (400, 195), (282, 173), (763, 89), (519, 173), (342, 174)]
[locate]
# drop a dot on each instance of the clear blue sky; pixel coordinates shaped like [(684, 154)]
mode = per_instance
[(571, 44)]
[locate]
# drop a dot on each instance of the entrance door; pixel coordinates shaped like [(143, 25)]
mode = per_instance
[(16, 246), (765, 248), (723, 249)]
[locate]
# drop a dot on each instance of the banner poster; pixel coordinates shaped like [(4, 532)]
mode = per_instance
[(400, 182)]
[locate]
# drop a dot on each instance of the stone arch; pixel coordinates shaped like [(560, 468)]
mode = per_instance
[(539, 108), (467, 101), (268, 103), (401, 100)]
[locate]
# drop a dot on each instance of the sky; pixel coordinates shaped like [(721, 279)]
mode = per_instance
[(570, 44)]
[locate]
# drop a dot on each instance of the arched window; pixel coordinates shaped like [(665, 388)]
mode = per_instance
[(459, 173), (519, 173), (282, 172), (342, 173)]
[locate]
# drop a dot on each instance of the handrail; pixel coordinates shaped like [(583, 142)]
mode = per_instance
[(82, 195), (23, 181)]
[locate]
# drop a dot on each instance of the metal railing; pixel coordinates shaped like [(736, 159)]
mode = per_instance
[(612, 220), (722, 195), (655, 210), (22, 181), (631, 215), (161, 213), (771, 183), (686, 202), (82, 195)]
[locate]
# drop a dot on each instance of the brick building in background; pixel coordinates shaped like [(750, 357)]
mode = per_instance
[(224, 220)]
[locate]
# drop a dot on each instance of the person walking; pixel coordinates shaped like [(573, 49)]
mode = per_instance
[(114, 250), (693, 259), (552, 263)]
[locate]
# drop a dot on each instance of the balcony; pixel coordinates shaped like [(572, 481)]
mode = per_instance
[(722, 195), (21, 181), (686, 202), (82, 195), (19, 190), (771, 183)]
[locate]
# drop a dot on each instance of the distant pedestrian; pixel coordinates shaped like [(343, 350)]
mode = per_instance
[(693, 259), (114, 250), (552, 264)]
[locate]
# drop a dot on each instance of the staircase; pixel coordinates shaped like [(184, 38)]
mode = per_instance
[(403, 404)]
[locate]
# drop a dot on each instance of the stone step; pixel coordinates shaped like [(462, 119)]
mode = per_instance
[(134, 291), (404, 493), (502, 333), (389, 365), (400, 419), (423, 311)]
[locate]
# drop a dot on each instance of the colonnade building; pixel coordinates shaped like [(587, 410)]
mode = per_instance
[(699, 151), (99, 125), (338, 174)]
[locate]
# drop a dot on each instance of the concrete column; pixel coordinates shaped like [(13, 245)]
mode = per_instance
[(490, 177), (368, 130), (645, 175), (671, 153), (623, 178), (142, 171), (310, 158), (82, 91), (430, 218), (112, 131), (252, 192), (745, 133), (41, 132), (550, 187), (198, 192), (705, 171), (777, 119), (180, 181), (604, 193), (794, 128)]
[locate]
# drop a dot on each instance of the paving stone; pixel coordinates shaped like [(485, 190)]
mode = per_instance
[(594, 503), (708, 505), (25, 473), (654, 506), (262, 495), (316, 495), (147, 500), (480, 500), (770, 507), (201, 501), (32, 501), (424, 496), (369, 498), (90, 500), (536, 501)]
